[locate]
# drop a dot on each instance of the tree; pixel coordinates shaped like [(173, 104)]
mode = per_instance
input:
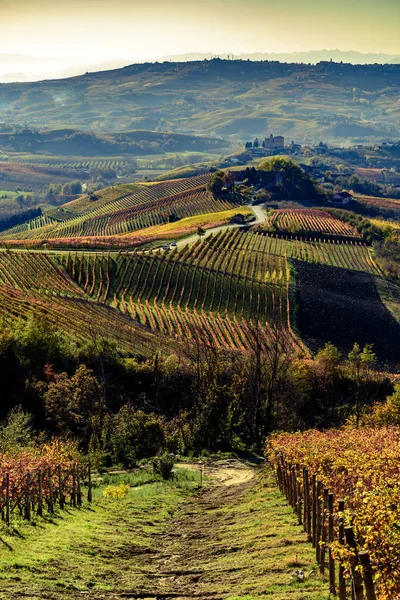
[(16, 431), (217, 394), (216, 182), (135, 435), (75, 405), (329, 358), (270, 357), (256, 143), (201, 232), (360, 362)]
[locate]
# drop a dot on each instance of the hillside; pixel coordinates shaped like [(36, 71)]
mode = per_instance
[(335, 102), (302, 272)]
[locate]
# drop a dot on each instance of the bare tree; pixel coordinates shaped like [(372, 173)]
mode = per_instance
[(271, 353)]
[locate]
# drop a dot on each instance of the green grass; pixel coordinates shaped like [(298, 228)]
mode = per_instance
[(239, 542), (257, 546), (85, 549)]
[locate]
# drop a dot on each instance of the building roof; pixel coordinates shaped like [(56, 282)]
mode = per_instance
[(344, 195)]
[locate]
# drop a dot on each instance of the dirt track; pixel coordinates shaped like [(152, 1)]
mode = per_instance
[(225, 473), (178, 569)]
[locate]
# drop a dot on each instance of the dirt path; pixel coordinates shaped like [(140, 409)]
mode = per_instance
[(178, 570), (227, 544)]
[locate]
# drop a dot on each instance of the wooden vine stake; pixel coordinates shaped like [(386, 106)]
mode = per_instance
[(28, 497), (324, 530), (40, 493), (89, 495), (318, 523), (363, 557), (314, 510), (51, 491), (60, 487), (355, 573), (8, 499), (342, 580), (78, 487), (332, 585)]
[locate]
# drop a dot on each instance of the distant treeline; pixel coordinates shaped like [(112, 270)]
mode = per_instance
[(21, 217)]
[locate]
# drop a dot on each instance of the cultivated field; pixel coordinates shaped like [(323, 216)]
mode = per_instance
[(311, 222)]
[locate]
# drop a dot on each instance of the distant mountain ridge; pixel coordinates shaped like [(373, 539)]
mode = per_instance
[(339, 103), (23, 68)]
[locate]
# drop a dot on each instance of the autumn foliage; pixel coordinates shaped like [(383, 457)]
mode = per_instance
[(362, 467)]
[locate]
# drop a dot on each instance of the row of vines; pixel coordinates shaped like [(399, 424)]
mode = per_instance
[(360, 467)]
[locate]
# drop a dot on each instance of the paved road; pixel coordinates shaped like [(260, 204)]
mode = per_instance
[(260, 218)]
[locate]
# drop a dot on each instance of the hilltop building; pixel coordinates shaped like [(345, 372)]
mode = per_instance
[(274, 142)]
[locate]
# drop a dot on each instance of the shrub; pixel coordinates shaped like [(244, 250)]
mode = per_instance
[(116, 492), (163, 465)]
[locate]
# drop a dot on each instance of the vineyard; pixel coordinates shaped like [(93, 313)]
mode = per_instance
[(35, 285), (220, 287), (361, 468), (388, 206), (35, 178), (311, 222), (141, 207), (350, 255), (78, 163), (40, 479)]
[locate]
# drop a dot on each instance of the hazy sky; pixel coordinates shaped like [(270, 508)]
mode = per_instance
[(137, 29)]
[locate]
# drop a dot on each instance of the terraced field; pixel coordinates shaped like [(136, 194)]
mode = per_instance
[(217, 288), (37, 285)]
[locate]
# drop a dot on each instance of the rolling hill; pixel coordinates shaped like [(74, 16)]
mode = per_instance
[(336, 102), (303, 272)]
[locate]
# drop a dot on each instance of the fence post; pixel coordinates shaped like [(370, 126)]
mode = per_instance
[(8, 499), (89, 494), (363, 556), (319, 523), (342, 580), (60, 487), (28, 497), (300, 500), (330, 540), (356, 575), (40, 493), (294, 489), (314, 510), (307, 513), (51, 493), (73, 495), (324, 529), (78, 486)]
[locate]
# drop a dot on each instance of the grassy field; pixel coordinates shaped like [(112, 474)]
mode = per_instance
[(231, 539), (186, 227)]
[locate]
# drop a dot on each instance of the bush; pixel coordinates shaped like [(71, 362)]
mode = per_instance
[(16, 432), (116, 492), (163, 465), (136, 435)]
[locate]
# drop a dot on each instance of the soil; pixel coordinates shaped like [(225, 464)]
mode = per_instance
[(343, 307)]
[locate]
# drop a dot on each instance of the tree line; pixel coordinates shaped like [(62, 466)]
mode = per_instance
[(198, 399)]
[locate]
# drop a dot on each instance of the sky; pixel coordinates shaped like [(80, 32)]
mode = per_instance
[(138, 29)]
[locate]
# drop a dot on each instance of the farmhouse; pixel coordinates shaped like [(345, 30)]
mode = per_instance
[(341, 199)]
